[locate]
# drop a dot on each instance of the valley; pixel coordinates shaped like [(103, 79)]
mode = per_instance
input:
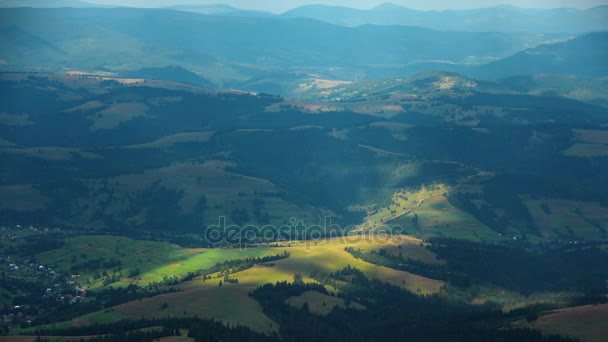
[(196, 172), (201, 170)]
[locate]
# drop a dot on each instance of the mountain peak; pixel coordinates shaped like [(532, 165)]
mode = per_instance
[(388, 6)]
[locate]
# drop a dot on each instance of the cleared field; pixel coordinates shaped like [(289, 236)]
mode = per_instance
[(116, 114), (99, 317), (391, 126), (231, 302), (154, 260), (224, 192), (403, 202), (320, 83), (6, 143), (91, 105), (447, 82), (319, 303), (587, 150), (51, 153), (512, 300), (21, 198), (309, 107), (589, 144), (384, 109), (427, 212), (18, 338), (411, 248), (437, 216), (228, 304), (9, 119), (171, 140), (183, 338), (27, 338), (434, 215), (591, 136), (586, 323), (329, 256), (562, 218)]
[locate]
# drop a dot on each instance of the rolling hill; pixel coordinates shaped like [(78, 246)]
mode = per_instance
[(153, 186), (582, 56), (164, 154)]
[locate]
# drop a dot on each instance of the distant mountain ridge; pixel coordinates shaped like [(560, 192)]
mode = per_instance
[(505, 18), (47, 3), (279, 56), (116, 38), (493, 19), (586, 55), (221, 10)]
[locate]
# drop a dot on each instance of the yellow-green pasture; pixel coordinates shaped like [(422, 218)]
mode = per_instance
[(155, 260), (231, 302)]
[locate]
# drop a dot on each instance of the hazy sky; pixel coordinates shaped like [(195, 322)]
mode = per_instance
[(284, 5)]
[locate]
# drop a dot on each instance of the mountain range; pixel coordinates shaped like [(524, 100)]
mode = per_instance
[(504, 18), (493, 19), (227, 51)]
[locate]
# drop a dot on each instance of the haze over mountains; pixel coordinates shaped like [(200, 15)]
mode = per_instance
[(500, 19), (228, 48), (505, 18), (325, 174), (585, 56)]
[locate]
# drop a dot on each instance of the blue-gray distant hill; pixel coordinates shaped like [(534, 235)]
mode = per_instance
[(584, 56), (47, 3), (171, 73), (494, 19), (116, 39), (221, 10)]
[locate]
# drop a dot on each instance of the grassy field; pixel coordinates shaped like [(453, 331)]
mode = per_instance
[(587, 150), (231, 302), (171, 140), (224, 192), (319, 303), (588, 144), (591, 136), (99, 317), (50, 153), (22, 198), (403, 202), (586, 323), (6, 143), (183, 338), (117, 113), (329, 256), (512, 300), (228, 304), (408, 247), (558, 218), (436, 216), (7, 119), (155, 260), (26, 338)]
